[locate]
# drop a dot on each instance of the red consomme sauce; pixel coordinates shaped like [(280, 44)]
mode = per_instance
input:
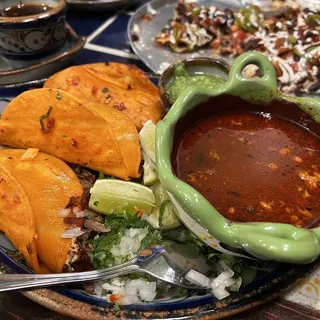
[(252, 165)]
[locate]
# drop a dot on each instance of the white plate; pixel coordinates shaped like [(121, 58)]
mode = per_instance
[(97, 4), (154, 55)]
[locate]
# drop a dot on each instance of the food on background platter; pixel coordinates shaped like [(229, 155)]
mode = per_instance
[(122, 87), (183, 80), (252, 166), (291, 41), (83, 133), (34, 189)]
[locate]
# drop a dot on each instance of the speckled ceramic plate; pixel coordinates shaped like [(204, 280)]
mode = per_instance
[(158, 57), (77, 304), (74, 302)]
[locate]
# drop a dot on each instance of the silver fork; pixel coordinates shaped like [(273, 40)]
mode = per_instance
[(158, 263)]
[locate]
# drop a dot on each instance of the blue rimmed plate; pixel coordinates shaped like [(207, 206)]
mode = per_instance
[(76, 303)]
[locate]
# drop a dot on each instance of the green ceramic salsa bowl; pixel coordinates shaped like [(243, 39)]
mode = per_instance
[(259, 240)]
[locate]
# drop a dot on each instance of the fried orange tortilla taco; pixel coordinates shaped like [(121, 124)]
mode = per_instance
[(36, 190), (16, 217), (122, 87), (86, 134)]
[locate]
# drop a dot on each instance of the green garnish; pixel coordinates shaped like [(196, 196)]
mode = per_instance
[(118, 224), (58, 96), (116, 307), (105, 90), (96, 203), (245, 17), (292, 39), (101, 176), (43, 117), (162, 210), (77, 170)]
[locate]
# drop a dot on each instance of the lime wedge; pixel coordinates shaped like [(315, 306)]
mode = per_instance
[(150, 175), (148, 140), (109, 196), (163, 215)]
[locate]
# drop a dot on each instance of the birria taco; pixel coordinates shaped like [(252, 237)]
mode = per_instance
[(122, 87), (84, 133), (34, 190)]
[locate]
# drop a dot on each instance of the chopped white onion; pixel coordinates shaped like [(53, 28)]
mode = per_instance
[(80, 214), (117, 282), (72, 233), (197, 278), (75, 209), (223, 281), (220, 292), (145, 290), (63, 213), (98, 288), (236, 286), (30, 154), (223, 265), (223, 277)]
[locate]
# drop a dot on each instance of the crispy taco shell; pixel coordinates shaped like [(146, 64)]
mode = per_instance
[(45, 185), (16, 217), (85, 134), (123, 87)]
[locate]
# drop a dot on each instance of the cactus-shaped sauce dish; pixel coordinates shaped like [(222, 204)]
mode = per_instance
[(242, 163)]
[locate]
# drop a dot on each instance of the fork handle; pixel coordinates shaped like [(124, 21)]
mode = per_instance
[(10, 282), (16, 282)]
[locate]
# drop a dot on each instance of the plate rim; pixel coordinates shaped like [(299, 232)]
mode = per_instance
[(267, 287), (98, 2), (130, 27), (219, 309)]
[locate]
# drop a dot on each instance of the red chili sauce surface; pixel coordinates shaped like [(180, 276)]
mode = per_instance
[(253, 167)]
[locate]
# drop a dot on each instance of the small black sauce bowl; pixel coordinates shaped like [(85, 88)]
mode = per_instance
[(25, 37), (193, 66)]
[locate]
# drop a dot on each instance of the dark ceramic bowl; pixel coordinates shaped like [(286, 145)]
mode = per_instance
[(193, 66), (25, 36)]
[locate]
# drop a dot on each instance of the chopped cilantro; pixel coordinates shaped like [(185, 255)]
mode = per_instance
[(58, 96), (43, 117), (116, 307), (118, 224), (124, 220), (162, 210), (77, 170), (105, 90), (152, 237), (101, 175)]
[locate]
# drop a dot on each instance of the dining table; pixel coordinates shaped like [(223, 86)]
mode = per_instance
[(106, 41)]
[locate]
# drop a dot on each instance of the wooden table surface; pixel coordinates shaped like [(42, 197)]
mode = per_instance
[(14, 306)]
